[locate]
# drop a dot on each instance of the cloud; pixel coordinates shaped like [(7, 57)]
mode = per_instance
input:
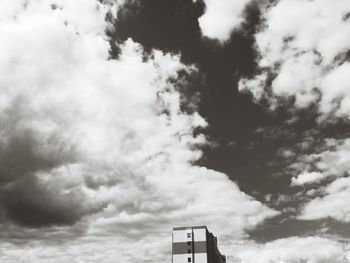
[(293, 250), (307, 178), (324, 174), (306, 59), (97, 151), (222, 17), (333, 204), (332, 159)]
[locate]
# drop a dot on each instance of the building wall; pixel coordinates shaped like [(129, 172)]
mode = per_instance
[(183, 258), (214, 255), (195, 245), (189, 245), (200, 258), (180, 235)]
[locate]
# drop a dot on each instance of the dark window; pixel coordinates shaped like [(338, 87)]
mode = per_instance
[(188, 234), (189, 260), (189, 243), (188, 250)]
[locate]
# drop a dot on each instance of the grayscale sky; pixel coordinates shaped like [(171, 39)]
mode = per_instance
[(120, 119)]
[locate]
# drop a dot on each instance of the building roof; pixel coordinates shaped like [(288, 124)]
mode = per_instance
[(189, 227)]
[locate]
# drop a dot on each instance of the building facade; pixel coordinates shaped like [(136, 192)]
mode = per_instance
[(196, 245)]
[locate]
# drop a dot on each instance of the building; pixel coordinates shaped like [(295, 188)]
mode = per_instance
[(196, 245)]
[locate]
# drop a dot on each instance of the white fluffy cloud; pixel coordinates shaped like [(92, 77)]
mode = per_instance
[(98, 144), (333, 160), (307, 178), (293, 250), (289, 250), (332, 163), (221, 17), (307, 59), (306, 56), (334, 203)]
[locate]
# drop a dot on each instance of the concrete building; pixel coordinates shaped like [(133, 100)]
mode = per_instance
[(196, 245)]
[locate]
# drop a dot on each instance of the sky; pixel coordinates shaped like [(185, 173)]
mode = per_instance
[(121, 119)]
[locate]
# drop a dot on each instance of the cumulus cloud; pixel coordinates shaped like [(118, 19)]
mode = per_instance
[(307, 178), (222, 17), (306, 59), (94, 149), (331, 160), (289, 250), (327, 171), (333, 204), (293, 250)]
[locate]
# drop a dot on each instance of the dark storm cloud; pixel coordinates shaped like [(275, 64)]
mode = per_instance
[(21, 156), (28, 204)]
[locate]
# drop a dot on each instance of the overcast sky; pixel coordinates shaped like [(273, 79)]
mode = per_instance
[(120, 119)]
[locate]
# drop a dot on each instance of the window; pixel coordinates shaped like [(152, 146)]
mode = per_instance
[(189, 243), (188, 235), (188, 259), (188, 250)]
